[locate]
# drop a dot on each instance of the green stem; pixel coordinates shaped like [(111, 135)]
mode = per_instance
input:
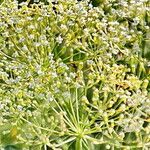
[(77, 105)]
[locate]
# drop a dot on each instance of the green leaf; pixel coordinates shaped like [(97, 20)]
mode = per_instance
[(13, 147)]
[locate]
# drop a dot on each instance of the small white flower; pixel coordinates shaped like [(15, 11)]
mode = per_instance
[(90, 62), (90, 6), (121, 116), (40, 72), (70, 23), (114, 51), (23, 4), (41, 95), (19, 30), (54, 74), (148, 64), (19, 108), (128, 37), (36, 1), (86, 31), (45, 43), (5, 34), (115, 39), (122, 134), (21, 40), (147, 27), (108, 146), (31, 36), (73, 75), (123, 107), (59, 39), (37, 44), (31, 27), (42, 37), (29, 18), (64, 27), (67, 79), (136, 21), (24, 48), (40, 19), (51, 55), (77, 85), (50, 99), (2, 106), (66, 94), (47, 28), (11, 45), (53, 1)]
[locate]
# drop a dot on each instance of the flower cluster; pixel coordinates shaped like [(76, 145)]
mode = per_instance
[(75, 76)]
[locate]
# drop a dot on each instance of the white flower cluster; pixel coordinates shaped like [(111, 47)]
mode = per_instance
[(74, 73)]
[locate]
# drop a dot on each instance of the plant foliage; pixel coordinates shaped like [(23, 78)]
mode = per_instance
[(74, 76)]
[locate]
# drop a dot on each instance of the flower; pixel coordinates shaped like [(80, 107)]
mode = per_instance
[(108, 146), (24, 48), (59, 39), (37, 44), (78, 68), (36, 1)]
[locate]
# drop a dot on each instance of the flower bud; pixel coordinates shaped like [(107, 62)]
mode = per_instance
[(145, 84)]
